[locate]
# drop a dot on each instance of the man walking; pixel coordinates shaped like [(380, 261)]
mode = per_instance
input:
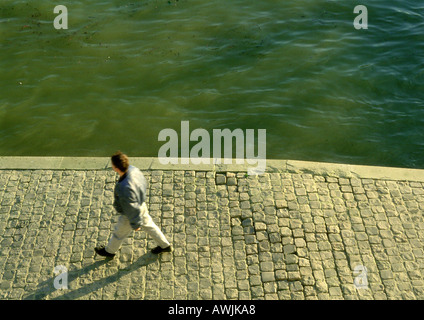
[(130, 196)]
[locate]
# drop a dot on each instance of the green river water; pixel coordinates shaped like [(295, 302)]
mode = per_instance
[(125, 70)]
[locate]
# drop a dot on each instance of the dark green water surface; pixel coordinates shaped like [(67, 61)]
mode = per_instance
[(125, 70)]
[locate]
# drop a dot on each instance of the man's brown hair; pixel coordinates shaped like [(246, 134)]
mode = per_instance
[(120, 160)]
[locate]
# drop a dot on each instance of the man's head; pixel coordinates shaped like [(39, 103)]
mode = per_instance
[(120, 162)]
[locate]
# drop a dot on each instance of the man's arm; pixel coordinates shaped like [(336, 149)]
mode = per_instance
[(116, 204), (130, 207)]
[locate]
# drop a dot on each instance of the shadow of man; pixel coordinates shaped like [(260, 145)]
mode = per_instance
[(47, 287)]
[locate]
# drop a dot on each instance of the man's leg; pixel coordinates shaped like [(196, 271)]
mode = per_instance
[(121, 232), (152, 229)]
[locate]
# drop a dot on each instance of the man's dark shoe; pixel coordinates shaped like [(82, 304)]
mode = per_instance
[(101, 251), (158, 249)]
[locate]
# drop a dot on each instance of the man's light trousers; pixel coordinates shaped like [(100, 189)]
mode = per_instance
[(123, 229)]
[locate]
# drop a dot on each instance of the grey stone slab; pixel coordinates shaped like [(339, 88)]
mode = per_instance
[(319, 168), (25, 163), (387, 173), (275, 165), (141, 163), (84, 163)]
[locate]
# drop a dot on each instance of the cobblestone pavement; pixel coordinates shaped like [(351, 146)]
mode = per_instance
[(273, 236)]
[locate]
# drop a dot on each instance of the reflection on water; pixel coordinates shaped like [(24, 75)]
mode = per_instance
[(125, 70)]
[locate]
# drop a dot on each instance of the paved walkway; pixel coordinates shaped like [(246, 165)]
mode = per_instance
[(292, 233)]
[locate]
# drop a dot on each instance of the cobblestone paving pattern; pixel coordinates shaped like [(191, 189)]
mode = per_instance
[(273, 236)]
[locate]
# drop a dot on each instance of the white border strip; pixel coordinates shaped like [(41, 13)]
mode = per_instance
[(150, 163)]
